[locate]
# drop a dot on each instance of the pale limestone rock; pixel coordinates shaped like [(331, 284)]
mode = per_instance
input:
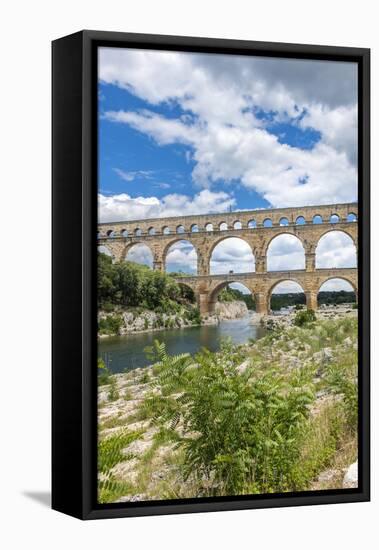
[(350, 480)]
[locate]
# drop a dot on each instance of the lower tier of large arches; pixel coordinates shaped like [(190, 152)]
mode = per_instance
[(311, 288)]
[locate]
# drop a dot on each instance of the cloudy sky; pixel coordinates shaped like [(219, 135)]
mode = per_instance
[(183, 133)]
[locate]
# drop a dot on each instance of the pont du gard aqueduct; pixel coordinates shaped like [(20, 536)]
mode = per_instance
[(258, 228)]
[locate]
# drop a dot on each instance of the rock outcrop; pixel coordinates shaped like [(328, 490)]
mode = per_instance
[(231, 310)]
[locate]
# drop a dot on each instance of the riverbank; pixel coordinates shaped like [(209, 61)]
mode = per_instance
[(146, 432), (138, 320), (285, 320)]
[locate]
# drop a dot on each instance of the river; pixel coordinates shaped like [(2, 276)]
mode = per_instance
[(123, 353)]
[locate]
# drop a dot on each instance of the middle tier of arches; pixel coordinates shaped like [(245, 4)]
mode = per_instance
[(328, 248)]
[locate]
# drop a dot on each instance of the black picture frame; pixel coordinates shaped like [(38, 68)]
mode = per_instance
[(74, 205)]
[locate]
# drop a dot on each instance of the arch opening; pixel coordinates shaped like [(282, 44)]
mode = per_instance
[(209, 227), (286, 296), (151, 231), (111, 233), (283, 222), (223, 226), (267, 222), (140, 253), (232, 255), (251, 224), (336, 292), (237, 225), (317, 219), (180, 229), (194, 228), (334, 218), (300, 220), (181, 257), (186, 294), (285, 253), (124, 233), (336, 249), (351, 217), (138, 232), (166, 230), (231, 292)]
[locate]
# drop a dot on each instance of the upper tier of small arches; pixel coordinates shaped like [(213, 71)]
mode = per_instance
[(224, 226)]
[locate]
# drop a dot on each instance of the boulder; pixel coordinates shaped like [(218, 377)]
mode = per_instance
[(350, 480)]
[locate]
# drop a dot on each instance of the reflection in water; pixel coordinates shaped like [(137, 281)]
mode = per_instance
[(127, 352)]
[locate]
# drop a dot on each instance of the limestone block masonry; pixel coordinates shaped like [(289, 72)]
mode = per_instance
[(256, 227)]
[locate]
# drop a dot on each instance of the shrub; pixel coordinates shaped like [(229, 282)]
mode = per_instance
[(104, 374), (304, 317), (193, 316), (111, 324), (113, 394), (247, 426)]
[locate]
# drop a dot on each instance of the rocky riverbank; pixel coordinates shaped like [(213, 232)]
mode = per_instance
[(286, 320), (139, 463), (137, 320)]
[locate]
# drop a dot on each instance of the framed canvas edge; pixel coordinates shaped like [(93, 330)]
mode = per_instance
[(87, 507)]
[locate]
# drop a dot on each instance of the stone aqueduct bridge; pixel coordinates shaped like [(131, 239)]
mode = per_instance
[(258, 228)]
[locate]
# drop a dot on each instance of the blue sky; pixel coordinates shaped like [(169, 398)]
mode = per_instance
[(183, 133), (130, 161)]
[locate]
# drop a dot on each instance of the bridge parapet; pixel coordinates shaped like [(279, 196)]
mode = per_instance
[(245, 219)]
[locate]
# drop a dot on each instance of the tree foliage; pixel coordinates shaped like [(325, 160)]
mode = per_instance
[(131, 284)]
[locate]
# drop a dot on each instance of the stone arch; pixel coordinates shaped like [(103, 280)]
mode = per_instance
[(209, 227), (351, 217), (173, 246), (334, 218), (188, 292), (252, 224), (151, 230), (180, 229), (124, 233), (338, 255), (237, 224), (138, 232), (215, 291), (317, 219), (139, 253), (294, 283), (111, 233), (347, 230), (292, 245), (267, 222), (283, 222), (194, 228), (344, 278), (246, 248), (166, 230), (223, 226), (300, 220)]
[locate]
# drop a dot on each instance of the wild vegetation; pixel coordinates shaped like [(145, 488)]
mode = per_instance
[(135, 285), (132, 287), (264, 417)]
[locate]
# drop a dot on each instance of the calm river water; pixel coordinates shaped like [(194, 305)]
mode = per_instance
[(127, 352)]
